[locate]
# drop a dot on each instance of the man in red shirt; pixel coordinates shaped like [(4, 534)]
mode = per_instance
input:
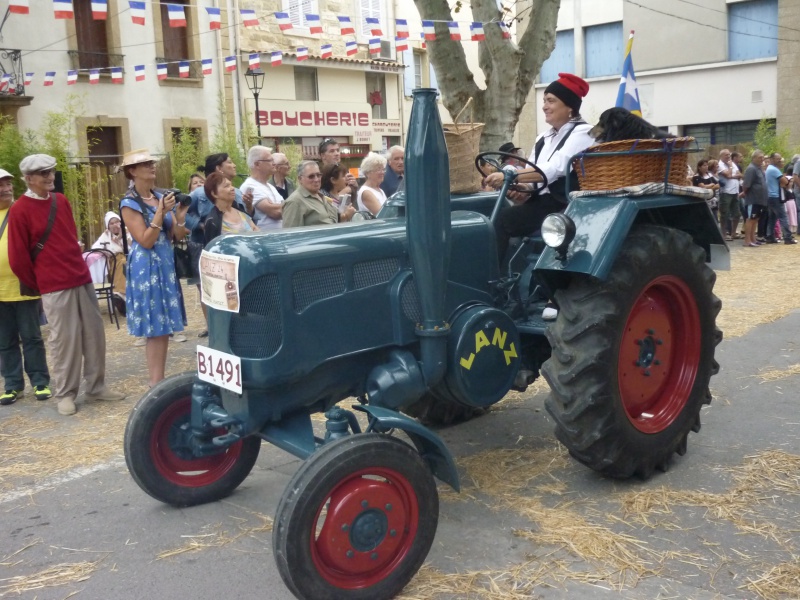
[(62, 277)]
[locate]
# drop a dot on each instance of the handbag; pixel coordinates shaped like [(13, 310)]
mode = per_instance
[(25, 290), (187, 258)]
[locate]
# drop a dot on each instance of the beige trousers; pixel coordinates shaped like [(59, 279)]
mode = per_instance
[(76, 333)]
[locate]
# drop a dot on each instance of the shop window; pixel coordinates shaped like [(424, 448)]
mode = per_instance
[(752, 29), (305, 84)]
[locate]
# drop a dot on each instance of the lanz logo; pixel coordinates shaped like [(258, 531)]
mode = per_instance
[(285, 118), (481, 341)]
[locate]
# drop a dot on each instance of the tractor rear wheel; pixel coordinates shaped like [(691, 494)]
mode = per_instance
[(632, 356), (356, 521)]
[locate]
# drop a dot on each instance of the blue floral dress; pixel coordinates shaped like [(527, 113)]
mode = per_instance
[(152, 297)]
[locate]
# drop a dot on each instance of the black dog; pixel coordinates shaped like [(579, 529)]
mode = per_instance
[(621, 124)]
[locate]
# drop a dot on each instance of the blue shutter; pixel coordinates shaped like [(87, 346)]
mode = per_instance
[(562, 60), (408, 72), (605, 49), (752, 29)]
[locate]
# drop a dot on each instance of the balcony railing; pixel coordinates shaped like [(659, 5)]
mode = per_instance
[(82, 59), (195, 68), (12, 82)]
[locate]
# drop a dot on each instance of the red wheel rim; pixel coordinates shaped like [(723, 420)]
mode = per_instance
[(180, 471), (364, 528), (659, 354)]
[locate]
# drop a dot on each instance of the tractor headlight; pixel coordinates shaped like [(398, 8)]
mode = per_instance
[(558, 231)]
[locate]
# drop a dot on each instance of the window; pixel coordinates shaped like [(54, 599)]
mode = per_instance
[(103, 143), (418, 72), (418, 83), (605, 49), (92, 52), (752, 29), (740, 132), (176, 43), (373, 9), (305, 83), (297, 10), (376, 94), (562, 60)]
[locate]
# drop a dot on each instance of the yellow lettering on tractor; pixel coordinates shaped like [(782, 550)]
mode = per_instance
[(499, 338), (510, 353), (467, 362), (480, 341)]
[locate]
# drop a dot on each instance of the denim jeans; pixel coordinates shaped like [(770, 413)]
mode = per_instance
[(20, 321), (777, 212)]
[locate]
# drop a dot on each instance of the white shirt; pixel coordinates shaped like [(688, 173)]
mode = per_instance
[(261, 192), (726, 185), (555, 165), (378, 192)]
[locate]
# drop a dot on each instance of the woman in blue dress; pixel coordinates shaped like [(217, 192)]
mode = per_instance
[(153, 301)]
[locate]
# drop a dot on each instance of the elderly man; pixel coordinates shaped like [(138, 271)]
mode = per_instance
[(755, 197), (279, 178), (45, 255), (777, 212), (329, 154), (19, 320), (729, 178), (268, 203), (395, 170), (306, 206)]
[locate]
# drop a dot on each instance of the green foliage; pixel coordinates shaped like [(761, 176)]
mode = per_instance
[(188, 152), (294, 153), (14, 146), (227, 140), (767, 139)]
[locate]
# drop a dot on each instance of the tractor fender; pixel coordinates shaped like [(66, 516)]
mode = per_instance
[(603, 223), (429, 445)]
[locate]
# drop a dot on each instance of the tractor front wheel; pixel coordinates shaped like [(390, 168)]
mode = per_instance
[(356, 521), (632, 356)]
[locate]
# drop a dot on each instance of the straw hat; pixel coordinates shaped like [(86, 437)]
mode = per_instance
[(136, 157)]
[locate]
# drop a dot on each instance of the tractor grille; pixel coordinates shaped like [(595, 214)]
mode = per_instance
[(409, 300), (257, 330), (374, 272), (316, 284)]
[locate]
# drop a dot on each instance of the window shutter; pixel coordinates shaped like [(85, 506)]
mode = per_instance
[(374, 9), (408, 72), (297, 10)]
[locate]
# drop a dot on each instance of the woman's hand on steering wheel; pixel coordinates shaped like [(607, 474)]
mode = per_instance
[(497, 178)]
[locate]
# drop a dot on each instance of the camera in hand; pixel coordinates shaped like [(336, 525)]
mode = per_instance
[(180, 198)]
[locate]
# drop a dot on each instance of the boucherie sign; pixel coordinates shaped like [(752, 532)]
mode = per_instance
[(313, 118)]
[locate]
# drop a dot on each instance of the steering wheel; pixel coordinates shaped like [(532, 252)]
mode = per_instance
[(489, 157)]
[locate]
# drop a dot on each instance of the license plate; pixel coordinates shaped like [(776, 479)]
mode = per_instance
[(219, 368)]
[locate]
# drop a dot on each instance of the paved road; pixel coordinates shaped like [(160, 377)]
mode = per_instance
[(530, 523)]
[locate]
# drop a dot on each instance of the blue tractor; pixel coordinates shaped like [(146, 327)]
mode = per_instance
[(442, 334)]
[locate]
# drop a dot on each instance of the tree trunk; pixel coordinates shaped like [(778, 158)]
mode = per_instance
[(509, 69)]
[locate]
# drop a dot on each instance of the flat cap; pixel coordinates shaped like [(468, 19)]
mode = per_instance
[(36, 162), (5, 174)]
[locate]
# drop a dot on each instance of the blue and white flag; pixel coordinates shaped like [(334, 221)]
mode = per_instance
[(628, 95)]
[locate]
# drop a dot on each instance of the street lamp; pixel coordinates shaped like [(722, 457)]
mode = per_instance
[(255, 81)]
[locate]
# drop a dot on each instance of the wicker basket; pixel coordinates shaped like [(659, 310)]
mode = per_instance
[(634, 162), (463, 143)]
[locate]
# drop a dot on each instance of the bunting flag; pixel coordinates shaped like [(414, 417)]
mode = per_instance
[(504, 30), (183, 69), (94, 76), (401, 28), (49, 76), (455, 33), (177, 18), (230, 63), (137, 11), (345, 26), (63, 9), (375, 45), (284, 22), (99, 10), (139, 71), (302, 53), (161, 70), (400, 44), (249, 18), (207, 66), (5, 81), (628, 94), (214, 19), (351, 48), (375, 26), (422, 37), (19, 7), (476, 30), (72, 77), (326, 50), (254, 61), (276, 58), (28, 78), (314, 24), (116, 74), (428, 31)]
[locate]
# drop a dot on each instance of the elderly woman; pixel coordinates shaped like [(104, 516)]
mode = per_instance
[(111, 240), (307, 206), (334, 185), (225, 217), (371, 197), (196, 180), (154, 304)]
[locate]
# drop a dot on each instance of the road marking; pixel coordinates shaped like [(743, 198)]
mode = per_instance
[(57, 480)]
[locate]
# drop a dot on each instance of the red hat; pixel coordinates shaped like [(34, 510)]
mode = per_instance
[(570, 89)]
